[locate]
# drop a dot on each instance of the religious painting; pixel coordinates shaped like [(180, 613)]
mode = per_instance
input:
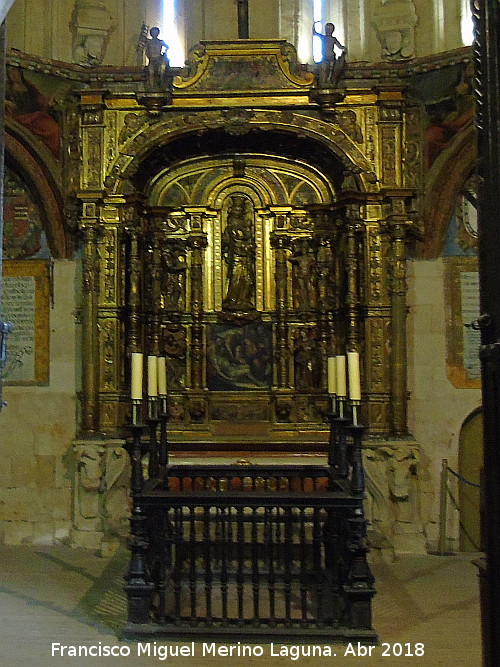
[(239, 358), (23, 234), (243, 73), (449, 104), (26, 305), (30, 101)]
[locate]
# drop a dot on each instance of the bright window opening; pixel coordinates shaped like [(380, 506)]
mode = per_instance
[(318, 25), (171, 33), (466, 23)]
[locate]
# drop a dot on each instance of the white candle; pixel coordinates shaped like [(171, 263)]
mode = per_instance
[(354, 376), (152, 376), (162, 376), (341, 377), (332, 376), (136, 381)]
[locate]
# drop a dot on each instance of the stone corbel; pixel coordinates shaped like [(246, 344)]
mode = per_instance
[(89, 487)]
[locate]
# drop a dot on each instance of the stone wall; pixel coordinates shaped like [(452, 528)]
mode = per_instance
[(437, 409), (37, 428), (48, 29)]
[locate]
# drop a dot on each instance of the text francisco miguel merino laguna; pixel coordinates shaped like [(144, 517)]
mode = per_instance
[(206, 649)]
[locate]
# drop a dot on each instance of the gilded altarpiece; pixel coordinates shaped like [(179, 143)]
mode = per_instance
[(246, 235)]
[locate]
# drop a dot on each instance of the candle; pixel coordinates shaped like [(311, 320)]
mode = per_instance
[(354, 377), (332, 376), (341, 377), (152, 377), (162, 376), (136, 388)]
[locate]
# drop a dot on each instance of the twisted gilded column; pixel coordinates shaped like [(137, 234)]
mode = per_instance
[(352, 299), (280, 245), (90, 341), (153, 269), (326, 285), (197, 243), (133, 231)]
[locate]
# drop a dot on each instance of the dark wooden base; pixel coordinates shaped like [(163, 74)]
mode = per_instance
[(133, 631)]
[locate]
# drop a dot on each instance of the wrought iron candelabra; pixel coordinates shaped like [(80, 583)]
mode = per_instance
[(138, 582), (163, 416), (345, 444)]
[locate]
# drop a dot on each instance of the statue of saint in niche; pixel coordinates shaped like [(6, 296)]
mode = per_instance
[(238, 251), (303, 263)]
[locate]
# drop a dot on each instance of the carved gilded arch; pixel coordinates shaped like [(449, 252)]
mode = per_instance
[(136, 150), (277, 181)]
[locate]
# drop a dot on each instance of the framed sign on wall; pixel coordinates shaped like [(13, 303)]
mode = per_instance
[(26, 304)]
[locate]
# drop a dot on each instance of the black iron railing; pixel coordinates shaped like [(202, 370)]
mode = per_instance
[(255, 549)]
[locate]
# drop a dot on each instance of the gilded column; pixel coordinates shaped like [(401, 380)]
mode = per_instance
[(109, 316), (91, 177), (153, 268), (398, 226), (377, 304), (197, 243), (326, 285), (352, 300), (90, 345), (133, 258), (280, 245)]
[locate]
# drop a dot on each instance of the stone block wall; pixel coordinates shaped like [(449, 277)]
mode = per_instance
[(437, 409), (37, 428)]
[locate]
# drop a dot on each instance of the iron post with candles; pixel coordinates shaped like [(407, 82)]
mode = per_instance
[(354, 384), (137, 361), (163, 416), (152, 387), (341, 421), (332, 415)]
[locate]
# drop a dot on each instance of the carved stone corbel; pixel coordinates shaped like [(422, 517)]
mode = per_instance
[(89, 487)]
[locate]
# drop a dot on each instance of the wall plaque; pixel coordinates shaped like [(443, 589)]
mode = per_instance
[(462, 302), (25, 303)]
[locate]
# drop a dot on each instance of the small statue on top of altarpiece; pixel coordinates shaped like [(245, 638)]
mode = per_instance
[(158, 67), (331, 66)]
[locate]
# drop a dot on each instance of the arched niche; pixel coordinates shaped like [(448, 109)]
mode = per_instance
[(278, 181), (41, 181), (444, 182)]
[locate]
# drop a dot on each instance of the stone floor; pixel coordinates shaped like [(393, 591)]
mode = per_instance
[(46, 598)]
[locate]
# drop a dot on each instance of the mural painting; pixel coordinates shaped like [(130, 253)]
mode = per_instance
[(23, 234), (449, 104), (33, 108)]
